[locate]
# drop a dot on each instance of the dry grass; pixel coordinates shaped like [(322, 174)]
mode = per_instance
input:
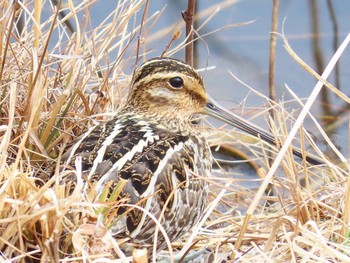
[(54, 85)]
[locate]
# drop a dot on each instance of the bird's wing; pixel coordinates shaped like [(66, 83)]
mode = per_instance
[(148, 157)]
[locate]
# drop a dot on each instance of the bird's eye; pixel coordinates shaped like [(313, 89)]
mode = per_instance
[(176, 82)]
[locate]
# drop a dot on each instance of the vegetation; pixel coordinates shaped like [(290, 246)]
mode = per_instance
[(56, 83)]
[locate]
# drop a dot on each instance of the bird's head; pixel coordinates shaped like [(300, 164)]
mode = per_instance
[(169, 88)]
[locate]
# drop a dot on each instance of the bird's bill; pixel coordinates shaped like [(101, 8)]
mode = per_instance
[(214, 110), (218, 112)]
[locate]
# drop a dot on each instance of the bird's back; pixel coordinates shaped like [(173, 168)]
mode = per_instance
[(163, 169)]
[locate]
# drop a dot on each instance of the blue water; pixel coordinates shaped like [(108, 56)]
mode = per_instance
[(244, 51)]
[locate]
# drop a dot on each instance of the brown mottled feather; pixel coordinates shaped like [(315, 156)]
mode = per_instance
[(153, 146)]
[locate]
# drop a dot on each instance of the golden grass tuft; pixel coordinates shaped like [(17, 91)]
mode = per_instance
[(55, 83)]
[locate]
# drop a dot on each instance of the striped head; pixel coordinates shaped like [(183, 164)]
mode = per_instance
[(170, 90), (167, 88)]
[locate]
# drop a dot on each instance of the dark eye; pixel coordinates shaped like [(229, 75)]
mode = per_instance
[(176, 82)]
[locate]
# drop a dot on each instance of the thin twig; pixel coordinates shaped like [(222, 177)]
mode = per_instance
[(188, 16), (174, 37), (272, 61), (272, 58), (140, 37), (318, 55), (335, 38)]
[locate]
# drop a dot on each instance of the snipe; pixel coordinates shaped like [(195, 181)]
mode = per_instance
[(153, 146)]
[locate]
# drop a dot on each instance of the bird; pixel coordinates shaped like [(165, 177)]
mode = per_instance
[(155, 148)]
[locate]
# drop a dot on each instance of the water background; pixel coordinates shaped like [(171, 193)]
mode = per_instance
[(240, 45), (244, 51)]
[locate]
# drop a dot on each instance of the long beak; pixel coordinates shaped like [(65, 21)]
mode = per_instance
[(216, 111)]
